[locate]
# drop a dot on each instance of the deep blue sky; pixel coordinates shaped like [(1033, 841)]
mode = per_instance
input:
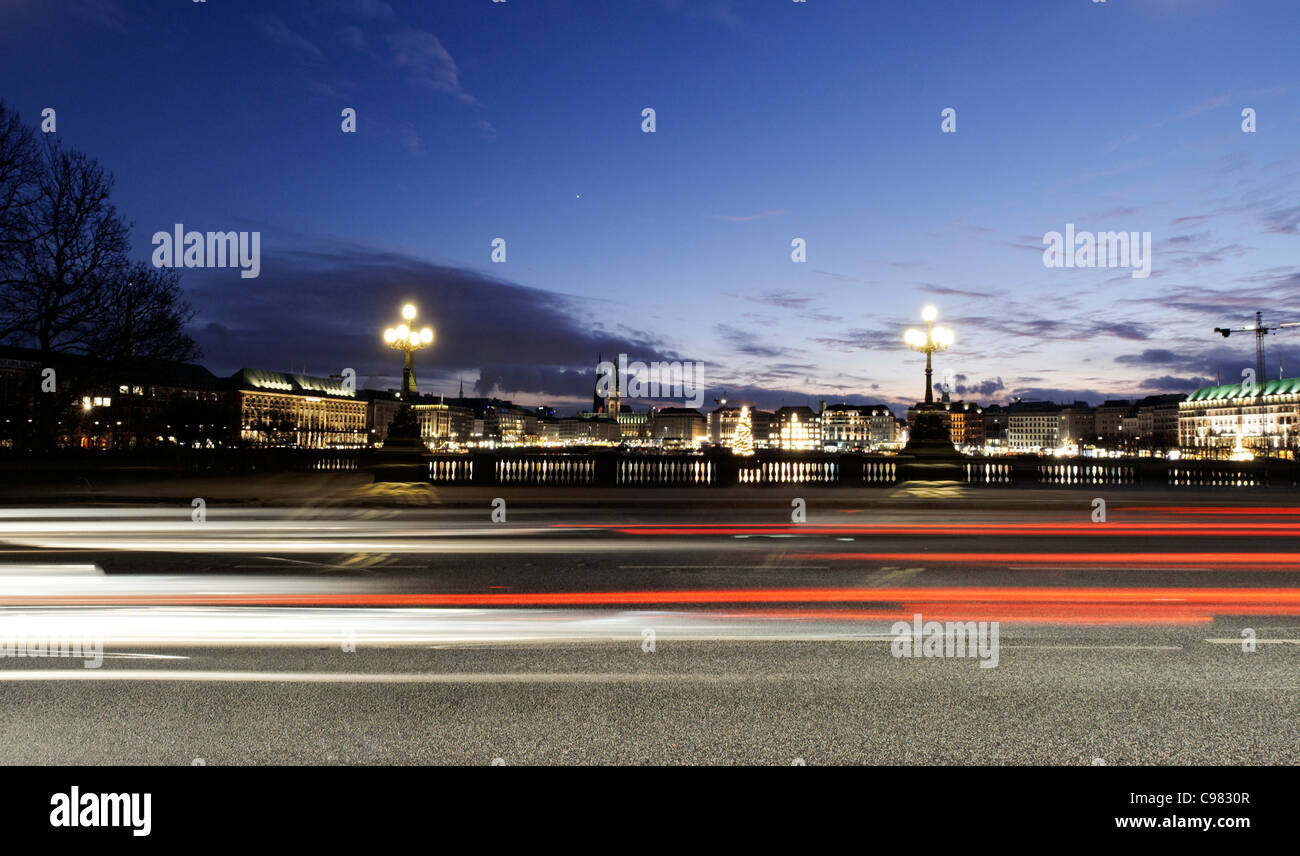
[(776, 120)]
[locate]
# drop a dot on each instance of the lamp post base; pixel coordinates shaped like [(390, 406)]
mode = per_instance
[(930, 454), (403, 455)]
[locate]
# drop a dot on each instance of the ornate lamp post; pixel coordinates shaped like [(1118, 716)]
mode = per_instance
[(929, 444), (403, 445), (405, 339), (933, 339)]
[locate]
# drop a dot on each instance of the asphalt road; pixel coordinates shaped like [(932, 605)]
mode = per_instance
[(405, 626), (1167, 697)]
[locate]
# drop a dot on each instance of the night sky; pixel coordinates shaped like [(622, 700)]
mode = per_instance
[(775, 120)]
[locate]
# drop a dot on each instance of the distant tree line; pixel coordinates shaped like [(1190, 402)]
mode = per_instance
[(67, 283)]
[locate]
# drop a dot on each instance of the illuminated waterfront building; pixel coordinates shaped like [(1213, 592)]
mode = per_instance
[(965, 423), (1033, 426), (796, 429), (678, 428), (1213, 418), (723, 422), (299, 411)]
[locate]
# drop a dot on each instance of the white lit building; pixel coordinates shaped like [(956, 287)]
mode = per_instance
[(1215, 417)]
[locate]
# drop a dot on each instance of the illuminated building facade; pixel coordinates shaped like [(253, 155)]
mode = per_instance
[(633, 427), (299, 411), (965, 423), (678, 428), (443, 425), (796, 429), (589, 431), (846, 427), (723, 421), (1213, 418), (1077, 424), (1033, 426), (1110, 420)]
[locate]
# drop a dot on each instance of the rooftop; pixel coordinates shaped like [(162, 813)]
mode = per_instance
[(272, 381), (1229, 391)]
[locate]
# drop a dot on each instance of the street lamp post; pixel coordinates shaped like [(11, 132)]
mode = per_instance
[(930, 447), (403, 444), (933, 339), (406, 339)]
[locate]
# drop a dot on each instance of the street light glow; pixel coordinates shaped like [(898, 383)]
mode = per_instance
[(933, 339), (405, 339)]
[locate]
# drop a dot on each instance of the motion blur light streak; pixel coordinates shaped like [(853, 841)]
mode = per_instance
[(1218, 597), (359, 677), (1217, 510), (1135, 560), (964, 530)]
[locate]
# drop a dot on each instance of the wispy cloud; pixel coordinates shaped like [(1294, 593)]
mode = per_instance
[(1204, 106), (427, 63), (782, 299), (278, 33), (748, 343)]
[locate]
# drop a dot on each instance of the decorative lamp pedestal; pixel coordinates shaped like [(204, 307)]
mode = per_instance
[(929, 454), (403, 457)]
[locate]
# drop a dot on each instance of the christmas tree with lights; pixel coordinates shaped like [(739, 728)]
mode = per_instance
[(743, 444)]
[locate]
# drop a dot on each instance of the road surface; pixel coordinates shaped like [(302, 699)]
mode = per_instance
[(406, 626)]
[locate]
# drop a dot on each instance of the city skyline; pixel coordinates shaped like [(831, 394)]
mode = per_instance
[(506, 121)]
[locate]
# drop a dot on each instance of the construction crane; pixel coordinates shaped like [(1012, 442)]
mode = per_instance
[(1260, 332)]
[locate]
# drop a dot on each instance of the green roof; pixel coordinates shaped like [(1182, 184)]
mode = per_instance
[(1228, 391), (262, 379)]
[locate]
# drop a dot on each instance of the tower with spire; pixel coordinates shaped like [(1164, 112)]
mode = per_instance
[(608, 405), (615, 401)]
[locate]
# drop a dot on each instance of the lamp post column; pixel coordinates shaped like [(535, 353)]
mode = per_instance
[(408, 375), (929, 371)]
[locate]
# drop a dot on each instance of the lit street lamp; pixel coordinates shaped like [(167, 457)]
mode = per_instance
[(933, 339), (405, 338)]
